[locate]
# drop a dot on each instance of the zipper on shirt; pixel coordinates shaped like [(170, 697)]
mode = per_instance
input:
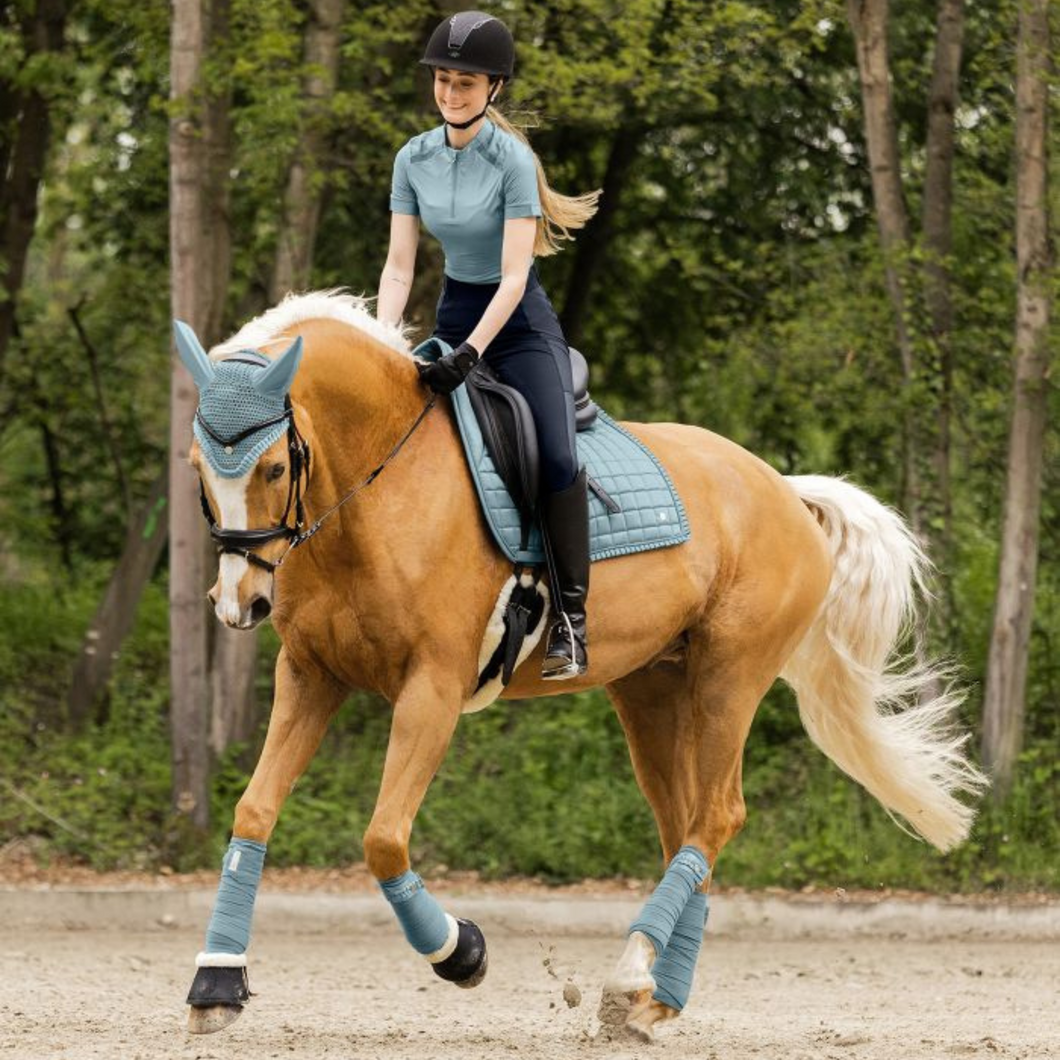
[(456, 170)]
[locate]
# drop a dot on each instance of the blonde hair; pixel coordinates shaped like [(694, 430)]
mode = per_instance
[(559, 213)]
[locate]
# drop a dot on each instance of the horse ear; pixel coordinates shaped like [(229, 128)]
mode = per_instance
[(275, 381), (192, 354)]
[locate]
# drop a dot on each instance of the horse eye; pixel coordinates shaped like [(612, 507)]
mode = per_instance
[(276, 471)]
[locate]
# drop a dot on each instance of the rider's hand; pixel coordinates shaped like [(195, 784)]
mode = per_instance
[(447, 373)]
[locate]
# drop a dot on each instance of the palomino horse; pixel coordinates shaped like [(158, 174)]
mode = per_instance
[(808, 578)]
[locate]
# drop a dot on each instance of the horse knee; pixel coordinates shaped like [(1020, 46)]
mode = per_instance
[(385, 852)]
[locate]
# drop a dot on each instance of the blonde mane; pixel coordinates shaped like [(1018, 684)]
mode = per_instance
[(333, 304)]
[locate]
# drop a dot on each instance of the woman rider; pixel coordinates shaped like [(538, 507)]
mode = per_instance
[(481, 191)]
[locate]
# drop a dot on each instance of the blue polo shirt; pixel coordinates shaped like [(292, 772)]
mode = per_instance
[(465, 196)]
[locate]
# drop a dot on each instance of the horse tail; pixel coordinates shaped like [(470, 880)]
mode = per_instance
[(885, 719)]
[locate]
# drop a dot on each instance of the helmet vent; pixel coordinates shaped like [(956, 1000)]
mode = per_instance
[(463, 25)]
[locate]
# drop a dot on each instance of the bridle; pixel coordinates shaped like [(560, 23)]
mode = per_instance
[(243, 542)]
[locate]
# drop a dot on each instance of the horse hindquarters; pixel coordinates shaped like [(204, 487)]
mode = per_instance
[(878, 723)]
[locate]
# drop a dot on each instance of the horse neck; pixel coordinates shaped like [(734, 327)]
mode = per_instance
[(362, 397)]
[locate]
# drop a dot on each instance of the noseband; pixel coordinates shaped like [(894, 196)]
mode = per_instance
[(243, 542)]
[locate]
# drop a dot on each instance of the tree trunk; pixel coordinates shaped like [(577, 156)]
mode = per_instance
[(235, 715), (868, 19), (232, 653), (937, 221), (60, 512), (27, 119), (1006, 675), (191, 260), (144, 541), (109, 434), (592, 246), (301, 202)]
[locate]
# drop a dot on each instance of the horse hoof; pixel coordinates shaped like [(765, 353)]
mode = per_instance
[(644, 1016), (616, 1006), (466, 965), (477, 976), (212, 1018)]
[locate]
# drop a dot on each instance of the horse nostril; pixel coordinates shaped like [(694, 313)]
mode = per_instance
[(260, 609)]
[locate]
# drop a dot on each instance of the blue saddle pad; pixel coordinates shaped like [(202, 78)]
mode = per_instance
[(651, 514)]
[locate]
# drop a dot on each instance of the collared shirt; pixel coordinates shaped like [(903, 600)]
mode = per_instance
[(465, 196)]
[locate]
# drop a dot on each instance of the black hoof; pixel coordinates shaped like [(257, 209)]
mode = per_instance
[(219, 986), (466, 965)]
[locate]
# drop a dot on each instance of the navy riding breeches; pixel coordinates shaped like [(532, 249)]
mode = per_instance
[(529, 354)]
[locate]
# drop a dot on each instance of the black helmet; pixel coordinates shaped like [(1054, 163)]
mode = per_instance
[(474, 42)]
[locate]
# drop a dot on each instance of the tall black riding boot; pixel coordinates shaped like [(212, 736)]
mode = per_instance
[(566, 525)]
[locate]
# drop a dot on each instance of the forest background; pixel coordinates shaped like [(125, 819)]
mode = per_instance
[(749, 271)]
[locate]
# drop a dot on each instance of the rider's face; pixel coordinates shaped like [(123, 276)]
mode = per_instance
[(460, 95)]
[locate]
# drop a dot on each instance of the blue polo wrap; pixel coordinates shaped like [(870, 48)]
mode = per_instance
[(229, 930), (421, 917), (684, 875), (674, 968)]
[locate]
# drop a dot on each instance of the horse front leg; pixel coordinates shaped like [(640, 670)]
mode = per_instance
[(305, 701), (425, 716)]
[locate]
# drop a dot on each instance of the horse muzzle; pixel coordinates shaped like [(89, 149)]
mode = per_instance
[(237, 615)]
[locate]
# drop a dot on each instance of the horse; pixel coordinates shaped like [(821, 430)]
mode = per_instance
[(807, 578)]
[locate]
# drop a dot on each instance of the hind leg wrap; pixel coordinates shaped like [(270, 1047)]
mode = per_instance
[(676, 965), (684, 875)]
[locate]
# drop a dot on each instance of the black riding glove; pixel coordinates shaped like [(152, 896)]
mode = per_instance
[(447, 373)]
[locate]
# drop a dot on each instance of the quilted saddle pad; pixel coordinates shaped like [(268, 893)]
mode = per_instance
[(649, 512)]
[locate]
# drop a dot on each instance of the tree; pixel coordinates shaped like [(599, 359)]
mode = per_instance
[(302, 197), (1006, 681), (26, 122), (199, 145)]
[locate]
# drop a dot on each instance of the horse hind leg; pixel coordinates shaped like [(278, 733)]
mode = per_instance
[(686, 724), (656, 710)]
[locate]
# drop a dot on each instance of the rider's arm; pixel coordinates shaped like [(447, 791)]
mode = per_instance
[(517, 255), (395, 282)]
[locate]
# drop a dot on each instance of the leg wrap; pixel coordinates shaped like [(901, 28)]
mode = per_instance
[(229, 930), (661, 912), (427, 927), (676, 965)]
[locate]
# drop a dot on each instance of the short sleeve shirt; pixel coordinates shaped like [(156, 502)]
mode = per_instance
[(465, 196)]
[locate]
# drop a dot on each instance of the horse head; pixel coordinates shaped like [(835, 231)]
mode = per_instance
[(251, 449)]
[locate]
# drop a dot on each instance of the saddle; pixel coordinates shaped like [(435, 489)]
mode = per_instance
[(633, 504), (510, 436)]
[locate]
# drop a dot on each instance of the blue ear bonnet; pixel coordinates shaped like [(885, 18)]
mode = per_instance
[(231, 403)]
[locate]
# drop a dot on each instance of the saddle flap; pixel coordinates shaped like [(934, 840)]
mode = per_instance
[(508, 430)]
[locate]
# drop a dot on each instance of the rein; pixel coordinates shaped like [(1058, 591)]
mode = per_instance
[(243, 542)]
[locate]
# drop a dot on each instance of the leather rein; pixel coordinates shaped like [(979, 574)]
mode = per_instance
[(243, 542)]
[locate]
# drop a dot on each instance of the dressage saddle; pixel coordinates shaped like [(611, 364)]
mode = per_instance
[(510, 436)]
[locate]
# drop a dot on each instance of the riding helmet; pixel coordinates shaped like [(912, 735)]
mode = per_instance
[(474, 42)]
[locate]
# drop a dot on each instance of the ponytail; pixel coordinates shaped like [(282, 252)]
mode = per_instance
[(559, 213)]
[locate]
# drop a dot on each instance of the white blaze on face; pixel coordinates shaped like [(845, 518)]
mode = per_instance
[(230, 496)]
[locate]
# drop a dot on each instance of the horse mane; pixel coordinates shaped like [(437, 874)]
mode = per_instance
[(334, 304)]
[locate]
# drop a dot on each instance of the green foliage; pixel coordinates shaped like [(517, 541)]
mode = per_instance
[(742, 290)]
